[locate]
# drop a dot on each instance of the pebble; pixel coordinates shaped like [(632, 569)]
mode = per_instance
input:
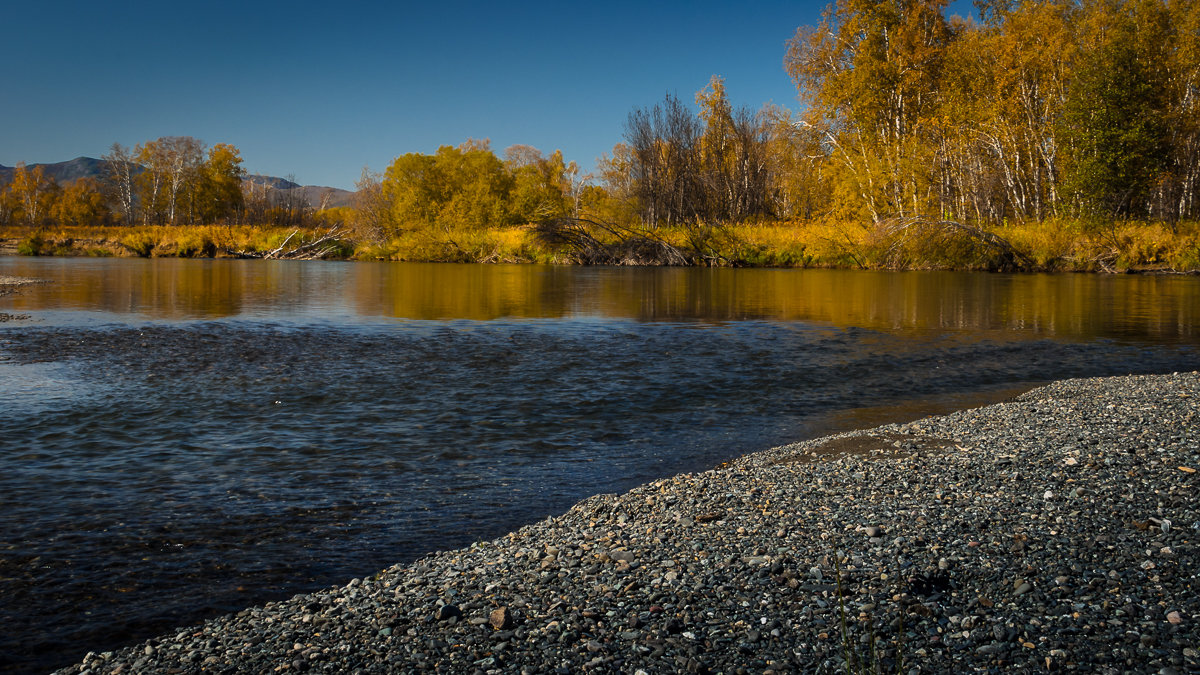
[(748, 567), (500, 618)]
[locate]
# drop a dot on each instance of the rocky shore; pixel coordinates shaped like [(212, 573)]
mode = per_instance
[(1055, 532), (9, 286)]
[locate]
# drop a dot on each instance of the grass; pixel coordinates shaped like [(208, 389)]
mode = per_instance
[(1055, 245), (870, 661), (186, 241)]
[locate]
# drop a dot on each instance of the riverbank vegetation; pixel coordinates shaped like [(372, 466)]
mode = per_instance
[(1046, 135)]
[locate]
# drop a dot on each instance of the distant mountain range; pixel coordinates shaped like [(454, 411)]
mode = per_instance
[(88, 167)]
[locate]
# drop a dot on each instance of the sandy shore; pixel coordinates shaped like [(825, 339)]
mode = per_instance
[(1055, 532)]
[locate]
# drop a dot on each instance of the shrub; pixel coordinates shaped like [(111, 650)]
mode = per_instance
[(31, 245)]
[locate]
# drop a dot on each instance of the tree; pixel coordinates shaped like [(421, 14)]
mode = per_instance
[(172, 170), (682, 168), (371, 212), (665, 168), (869, 75), (33, 194), (1114, 119), (1177, 193), (120, 170), (219, 196), (458, 187), (542, 186), (81, 203), (735, 156), (798, 159)]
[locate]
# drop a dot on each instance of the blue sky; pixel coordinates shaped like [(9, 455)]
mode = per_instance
[(320, 90)]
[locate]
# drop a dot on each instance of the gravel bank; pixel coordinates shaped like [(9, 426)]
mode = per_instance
[(9, 286), (1054, 532)]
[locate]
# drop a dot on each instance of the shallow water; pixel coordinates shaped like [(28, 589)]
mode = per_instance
[(184, 438)]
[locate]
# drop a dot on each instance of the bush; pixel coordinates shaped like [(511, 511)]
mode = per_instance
[(32, 245), (141, 244)]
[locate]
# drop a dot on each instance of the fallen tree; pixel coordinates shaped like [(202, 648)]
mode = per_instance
[(921, 242), (592, 242), (325, 243)]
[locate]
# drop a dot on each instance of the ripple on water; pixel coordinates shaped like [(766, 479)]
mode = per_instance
[(158, 474)]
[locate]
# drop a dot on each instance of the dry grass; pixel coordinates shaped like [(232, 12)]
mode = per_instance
[(1053, 245), (185, 241)]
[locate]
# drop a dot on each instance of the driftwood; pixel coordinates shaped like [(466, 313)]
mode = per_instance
[(327, 242), (918, 240), (629, 246)]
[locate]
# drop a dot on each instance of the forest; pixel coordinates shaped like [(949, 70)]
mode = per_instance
[(1044, 135)]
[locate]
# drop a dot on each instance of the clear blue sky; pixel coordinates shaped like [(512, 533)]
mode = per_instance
[(319, 90)]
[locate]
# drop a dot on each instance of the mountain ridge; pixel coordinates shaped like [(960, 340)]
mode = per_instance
[(90, 167)]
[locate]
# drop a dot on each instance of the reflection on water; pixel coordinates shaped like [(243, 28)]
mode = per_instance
[(182, 438), (1067, 306)]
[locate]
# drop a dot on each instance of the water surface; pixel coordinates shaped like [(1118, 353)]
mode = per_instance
[(182, 438)]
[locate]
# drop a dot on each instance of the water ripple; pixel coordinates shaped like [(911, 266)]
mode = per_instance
[(159, 474)]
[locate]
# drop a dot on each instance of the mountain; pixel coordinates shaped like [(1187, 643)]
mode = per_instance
[(61, 172), (314, 195), (280, 188)]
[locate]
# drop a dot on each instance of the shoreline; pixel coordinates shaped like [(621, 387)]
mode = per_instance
[(11, 286), (1149, 270), (1055, 531), (178, 243)]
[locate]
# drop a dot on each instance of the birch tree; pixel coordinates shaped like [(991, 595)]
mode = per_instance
[(120, 169)]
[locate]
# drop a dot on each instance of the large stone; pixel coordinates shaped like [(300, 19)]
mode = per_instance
[(500, 618)]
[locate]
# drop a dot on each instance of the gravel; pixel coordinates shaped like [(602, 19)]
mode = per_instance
[(1053, 532), (10, 286)]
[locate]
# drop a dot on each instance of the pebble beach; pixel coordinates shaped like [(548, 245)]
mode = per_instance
[(1055, 532)]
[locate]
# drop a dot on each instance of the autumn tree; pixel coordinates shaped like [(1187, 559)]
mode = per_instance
[(457, 187), (33, 195), (219, 190), (1177, 194), (81, 203), (171, 171), (120, 170), (543, 187), (680, 167), (1044, 108), (735, 154), (868, 75), (798, 188)]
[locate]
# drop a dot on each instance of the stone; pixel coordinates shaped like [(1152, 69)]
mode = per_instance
[(622, 556), (500, 618)]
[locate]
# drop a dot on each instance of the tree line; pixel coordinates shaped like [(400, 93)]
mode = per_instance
[(1047, 108), (466, 187), (1083, 110), (1057, 111), (173, 180)]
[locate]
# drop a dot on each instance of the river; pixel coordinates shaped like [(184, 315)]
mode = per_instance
[(183, 438)]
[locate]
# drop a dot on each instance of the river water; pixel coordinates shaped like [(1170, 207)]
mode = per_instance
[(183, 438)]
